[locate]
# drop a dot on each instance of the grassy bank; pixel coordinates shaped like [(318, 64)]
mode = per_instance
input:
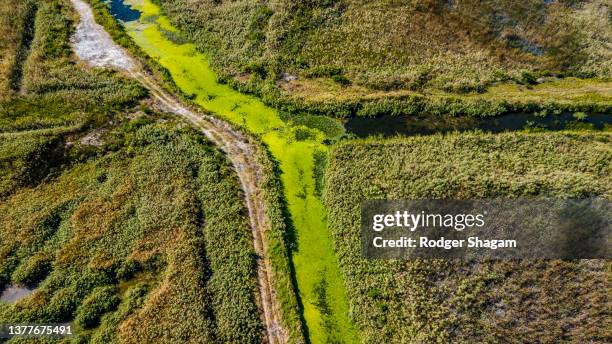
[(456, 301), (344, 58), (53, 89)]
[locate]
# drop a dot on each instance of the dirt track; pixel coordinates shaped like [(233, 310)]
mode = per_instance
[(94, 45)]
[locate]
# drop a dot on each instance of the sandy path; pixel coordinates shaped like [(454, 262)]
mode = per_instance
[(94, 45)]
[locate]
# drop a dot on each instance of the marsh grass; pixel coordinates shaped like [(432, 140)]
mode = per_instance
[(13, 16), (142, 236), (54, 90), (458, 301), (166, 205), (354, 51)]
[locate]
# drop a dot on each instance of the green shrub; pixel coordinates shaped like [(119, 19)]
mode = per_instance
[(101, 300), (331, 127), (26, 160), (302, 133), (33, 271), (580, 116), (341, 79), (528, 78)]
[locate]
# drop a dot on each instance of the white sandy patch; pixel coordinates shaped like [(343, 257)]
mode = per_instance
[(93, 44)]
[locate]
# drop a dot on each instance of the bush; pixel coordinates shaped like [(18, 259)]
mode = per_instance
[(33, 271), (580, 116), (341, 79), (100, 301), (28, 159), (528, 78)]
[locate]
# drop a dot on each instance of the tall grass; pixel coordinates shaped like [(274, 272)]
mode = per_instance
[(359, 51), (143, 237), (15, 28), (161, 217), (27, 159), (396, 301), (53, 89)]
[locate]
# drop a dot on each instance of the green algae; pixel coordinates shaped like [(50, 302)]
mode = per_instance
[(314, 259)]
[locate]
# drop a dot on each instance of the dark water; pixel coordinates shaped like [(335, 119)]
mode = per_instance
[(122, 11), (427, 125)]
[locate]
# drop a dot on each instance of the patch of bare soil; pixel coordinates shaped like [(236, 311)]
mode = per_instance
[(93, 44), (94, 138)]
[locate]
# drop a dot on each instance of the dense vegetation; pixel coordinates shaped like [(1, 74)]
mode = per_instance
[(49, 88), (47, 95), (15, 38), (457, 301), (128, 224), (28, 158), (279, 236), (133, 227), (412, 56), (160, 220)]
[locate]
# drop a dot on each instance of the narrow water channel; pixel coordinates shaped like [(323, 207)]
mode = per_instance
[(427, 125), (314, 259)]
